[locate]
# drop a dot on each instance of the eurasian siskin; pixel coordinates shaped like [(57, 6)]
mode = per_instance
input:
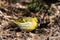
[(27, 23)]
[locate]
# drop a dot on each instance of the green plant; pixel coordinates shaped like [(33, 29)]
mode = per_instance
[(34, 6)]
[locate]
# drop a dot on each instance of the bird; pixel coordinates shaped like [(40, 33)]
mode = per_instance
[(27, 23)]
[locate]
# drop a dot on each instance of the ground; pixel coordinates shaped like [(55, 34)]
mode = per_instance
[(49, 19)]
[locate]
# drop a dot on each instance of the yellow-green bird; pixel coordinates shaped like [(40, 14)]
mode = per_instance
[(27, 23)]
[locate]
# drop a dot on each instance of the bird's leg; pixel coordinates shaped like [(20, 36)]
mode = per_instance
[(23, 31), (24, 34)]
